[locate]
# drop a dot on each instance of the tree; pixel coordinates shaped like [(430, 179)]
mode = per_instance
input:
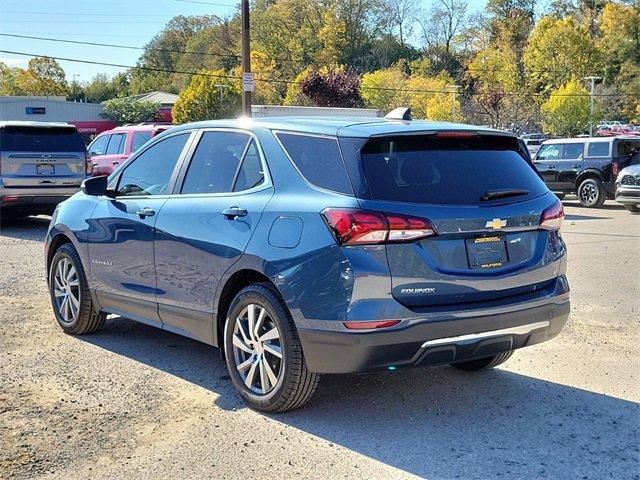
[(100, 88), (43, 76), (566, 113), (335, 88), (558, 51), (201, 100), (382, 89), (403, 14), (294, 94), (264, 69), (128, 110), (8, 77)]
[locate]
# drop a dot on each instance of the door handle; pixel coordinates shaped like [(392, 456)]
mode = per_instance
[(115, 162), (234, 212), (551, 167), (576, 165), (145, 212)]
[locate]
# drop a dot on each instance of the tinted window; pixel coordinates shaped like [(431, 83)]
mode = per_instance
[(318, 159), (549, 152), (116, 144), (250, 174), (150, 173), (430, 170), (99, 145), (41, 139), (215, 162), (139, 139), (571, 151), (627, 148), (598, 149)]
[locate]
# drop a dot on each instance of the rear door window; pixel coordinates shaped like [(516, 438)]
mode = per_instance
[(41, 139), (598, 149), (116, 144), (139, 139), (423, 169), (318, 159), (572, 151), (99, 145)]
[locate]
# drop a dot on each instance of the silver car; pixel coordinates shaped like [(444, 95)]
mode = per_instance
[(41, 164), (628, 188)]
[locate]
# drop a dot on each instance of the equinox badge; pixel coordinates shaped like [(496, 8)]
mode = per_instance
[(496, 224)]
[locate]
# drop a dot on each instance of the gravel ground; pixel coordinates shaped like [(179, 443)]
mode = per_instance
[(135, 402)]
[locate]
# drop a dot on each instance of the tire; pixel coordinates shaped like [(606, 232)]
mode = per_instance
[(632, 208), (80, 316), (294, 384), (483, 363), (591, 193)]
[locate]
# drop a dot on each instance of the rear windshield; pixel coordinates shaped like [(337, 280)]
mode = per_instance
[(424, 169), (40, 139)]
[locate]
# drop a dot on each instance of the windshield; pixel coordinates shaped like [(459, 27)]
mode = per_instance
[(426, 169)]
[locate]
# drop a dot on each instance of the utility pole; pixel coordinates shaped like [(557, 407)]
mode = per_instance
[(454, 92), (246, 61), (593, 84)]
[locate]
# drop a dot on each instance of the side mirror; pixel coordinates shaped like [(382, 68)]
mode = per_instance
[(95, 186)]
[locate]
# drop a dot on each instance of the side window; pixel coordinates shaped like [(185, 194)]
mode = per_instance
[(215, 162), (549, 152), (250, 174), (572, 151), (139, 139), (598, 149), (116, 144), (150, 173), (318, 159), (99, 145)]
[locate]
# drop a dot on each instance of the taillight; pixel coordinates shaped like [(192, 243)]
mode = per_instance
[(88, 164), (364, 227), (552, 217), (615, 169), (456, 134)]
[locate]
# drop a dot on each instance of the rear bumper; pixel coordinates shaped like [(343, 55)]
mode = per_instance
[(425, 343), (34, 197)]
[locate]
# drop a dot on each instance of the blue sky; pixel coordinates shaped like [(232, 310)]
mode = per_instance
[(126, 22)]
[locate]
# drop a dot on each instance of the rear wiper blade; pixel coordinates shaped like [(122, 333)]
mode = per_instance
[(509, 192)]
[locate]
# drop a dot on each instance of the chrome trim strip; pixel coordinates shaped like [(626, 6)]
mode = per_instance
[(519, 330)]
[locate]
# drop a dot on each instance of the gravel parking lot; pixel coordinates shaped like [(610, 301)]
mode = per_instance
[(136, 402)]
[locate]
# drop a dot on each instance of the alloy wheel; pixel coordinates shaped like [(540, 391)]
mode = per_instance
[(257, 349), (589, 194), (66, 290)]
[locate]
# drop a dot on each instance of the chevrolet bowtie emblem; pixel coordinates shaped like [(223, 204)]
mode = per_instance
[(496, 224)]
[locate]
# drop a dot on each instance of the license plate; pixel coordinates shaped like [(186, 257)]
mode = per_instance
[(486, 252), (45, 169)]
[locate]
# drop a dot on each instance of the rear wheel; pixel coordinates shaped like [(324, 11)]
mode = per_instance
[(70, 296), (263, 352), (484, 363), (632, 208), (591, 193)]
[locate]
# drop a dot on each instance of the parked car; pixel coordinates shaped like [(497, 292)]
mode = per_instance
[(41, 164), (308, 246), (628, 188), (111, 148), (585, 166)]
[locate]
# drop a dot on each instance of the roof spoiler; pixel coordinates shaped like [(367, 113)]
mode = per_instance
[(400, 113)]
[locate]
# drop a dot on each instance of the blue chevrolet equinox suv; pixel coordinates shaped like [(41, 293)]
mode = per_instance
[(309, 246)]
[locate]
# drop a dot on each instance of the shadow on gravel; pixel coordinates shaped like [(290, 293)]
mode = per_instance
[(609, 205), (573, 218), (435, 423), (27, 228)]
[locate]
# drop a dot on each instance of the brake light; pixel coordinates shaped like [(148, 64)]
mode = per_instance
[(615, 169), (552, 217), (363, 227), (371, 325), (454, 134)]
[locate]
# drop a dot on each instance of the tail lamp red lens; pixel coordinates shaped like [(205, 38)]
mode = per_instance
[(365, 227), (371, 325), (552, 217), (615, 169), (88, 164)]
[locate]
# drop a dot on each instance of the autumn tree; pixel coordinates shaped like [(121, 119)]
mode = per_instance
[(335, 88), (566, 113), (209, 95), (43, 76)]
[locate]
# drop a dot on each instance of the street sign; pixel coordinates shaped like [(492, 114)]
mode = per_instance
[(248, 84)]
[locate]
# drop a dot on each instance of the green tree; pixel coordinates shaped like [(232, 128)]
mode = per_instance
[(100, 88), (128, 110), (8, 80), (43, 76), (566, 113), (201, 99)]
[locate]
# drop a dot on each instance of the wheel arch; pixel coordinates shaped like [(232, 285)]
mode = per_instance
[(56, 242), (589, 173)]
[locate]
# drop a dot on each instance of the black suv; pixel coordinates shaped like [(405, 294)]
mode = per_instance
[(586, 166)]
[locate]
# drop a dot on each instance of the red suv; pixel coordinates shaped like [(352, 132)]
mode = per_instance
[(111, 148)]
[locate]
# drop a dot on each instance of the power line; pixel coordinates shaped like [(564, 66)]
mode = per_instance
[(283, 81), (74, 14)]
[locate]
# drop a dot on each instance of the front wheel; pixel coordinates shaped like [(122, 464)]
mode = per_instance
[(263, 352), (70, 295), (591, 193), (632, 208), (483, 363)]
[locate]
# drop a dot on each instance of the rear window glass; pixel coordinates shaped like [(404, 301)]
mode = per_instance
[(139, 139), (40, 139), (599, 149), (445, 171), (318, 159)]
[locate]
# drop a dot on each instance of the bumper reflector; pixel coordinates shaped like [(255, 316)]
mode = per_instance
[(371, 325)]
